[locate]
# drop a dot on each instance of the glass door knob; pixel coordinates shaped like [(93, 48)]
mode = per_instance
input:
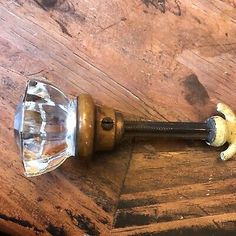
[(50, 127)]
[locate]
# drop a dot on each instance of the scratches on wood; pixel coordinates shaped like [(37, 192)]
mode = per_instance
[(63, 28), (65, 6), (23, 223), (159, 4), (54, 230), (172, 6), (83, 223), (112, 25)]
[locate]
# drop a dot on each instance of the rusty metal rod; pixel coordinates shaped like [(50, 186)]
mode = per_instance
[(183, 130)]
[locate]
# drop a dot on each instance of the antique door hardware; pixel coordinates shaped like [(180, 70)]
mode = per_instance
[(50, 127)]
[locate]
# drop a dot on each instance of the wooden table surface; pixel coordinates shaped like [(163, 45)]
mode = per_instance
[(165, 60)]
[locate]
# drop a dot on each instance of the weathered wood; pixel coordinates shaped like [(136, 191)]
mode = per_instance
[(178, 187), (168, 60)]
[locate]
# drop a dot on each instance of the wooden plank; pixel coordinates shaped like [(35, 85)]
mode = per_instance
[(83, 198), (164, 187), (172, 168), (176, 210), (169, 60), (223, 224), (177, 193)]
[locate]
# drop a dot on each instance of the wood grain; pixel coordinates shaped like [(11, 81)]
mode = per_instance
[(156, 59), (165, 190)]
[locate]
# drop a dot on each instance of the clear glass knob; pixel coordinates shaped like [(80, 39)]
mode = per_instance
[(45, 127)]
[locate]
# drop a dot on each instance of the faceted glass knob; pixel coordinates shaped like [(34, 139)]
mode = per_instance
[(50, 127), (45, 127)]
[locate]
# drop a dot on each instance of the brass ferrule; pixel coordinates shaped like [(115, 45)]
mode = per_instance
[(99, 128)]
